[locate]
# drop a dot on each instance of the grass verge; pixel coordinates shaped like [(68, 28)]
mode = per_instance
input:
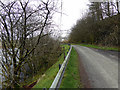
[(101, 47), (49, 75), (71, 77)]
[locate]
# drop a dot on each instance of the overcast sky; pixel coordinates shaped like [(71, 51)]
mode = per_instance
[(74, 10)]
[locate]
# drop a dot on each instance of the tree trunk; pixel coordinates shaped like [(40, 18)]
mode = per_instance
[(108, 9), (117, 3)]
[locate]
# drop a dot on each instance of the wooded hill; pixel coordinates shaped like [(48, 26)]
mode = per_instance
[(100, 26)]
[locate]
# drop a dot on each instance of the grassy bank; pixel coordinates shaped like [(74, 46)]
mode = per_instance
[(71, 77), (46, 80), (100, 47)]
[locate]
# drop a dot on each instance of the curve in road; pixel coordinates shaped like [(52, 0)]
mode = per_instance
[(102, 71)]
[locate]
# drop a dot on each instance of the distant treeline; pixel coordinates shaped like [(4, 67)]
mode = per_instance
[(100, 26)]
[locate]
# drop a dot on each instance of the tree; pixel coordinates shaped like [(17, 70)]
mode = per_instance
[(18, 22), (99, 26), (117, 4), (96, 10)]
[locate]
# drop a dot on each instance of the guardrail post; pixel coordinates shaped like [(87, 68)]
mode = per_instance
[(59, 66), (64, 55), (44, 88), (64, 52)]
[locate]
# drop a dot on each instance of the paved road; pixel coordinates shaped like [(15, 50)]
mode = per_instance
[(102, 71)]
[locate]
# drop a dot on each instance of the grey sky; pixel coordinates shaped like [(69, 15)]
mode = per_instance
[(74, 10)]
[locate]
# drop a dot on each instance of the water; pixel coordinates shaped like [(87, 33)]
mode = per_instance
[(21, 75)]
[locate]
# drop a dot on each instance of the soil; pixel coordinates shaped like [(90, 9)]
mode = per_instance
[(83, 75), (30, 86)]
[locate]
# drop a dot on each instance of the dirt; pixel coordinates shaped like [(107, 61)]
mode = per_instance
[(30, 86), (83, 75)]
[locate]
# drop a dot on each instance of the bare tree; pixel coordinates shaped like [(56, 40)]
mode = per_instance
[(18, 22)]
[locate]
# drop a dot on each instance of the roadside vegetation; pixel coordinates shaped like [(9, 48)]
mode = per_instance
[(100, 47), (100, 26), (47, 78), (71, 78)]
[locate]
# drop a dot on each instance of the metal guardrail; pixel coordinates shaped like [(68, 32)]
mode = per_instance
[(60, 72)]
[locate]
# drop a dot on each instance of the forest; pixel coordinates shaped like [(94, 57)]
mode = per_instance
[(100, 26)]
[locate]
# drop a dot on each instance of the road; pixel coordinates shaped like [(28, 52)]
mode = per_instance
[(102, 70)]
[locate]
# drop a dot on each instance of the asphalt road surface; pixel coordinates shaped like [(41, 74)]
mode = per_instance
[(102, 70)]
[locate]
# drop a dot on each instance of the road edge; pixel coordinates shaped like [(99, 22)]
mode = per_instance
[(84, 79)]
